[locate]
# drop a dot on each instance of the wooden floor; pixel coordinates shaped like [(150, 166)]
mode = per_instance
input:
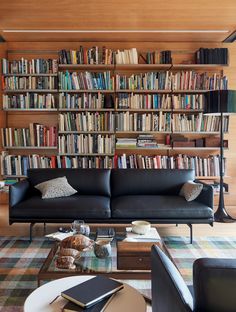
[(219, 229)]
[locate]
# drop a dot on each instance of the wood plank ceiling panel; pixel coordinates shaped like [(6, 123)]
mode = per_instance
[(118, 15)]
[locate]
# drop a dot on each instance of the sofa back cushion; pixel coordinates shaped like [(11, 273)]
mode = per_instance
[(85, 181), (149, 181)]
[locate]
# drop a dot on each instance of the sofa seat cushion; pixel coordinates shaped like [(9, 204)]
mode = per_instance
[(158, 207), (73, 207)]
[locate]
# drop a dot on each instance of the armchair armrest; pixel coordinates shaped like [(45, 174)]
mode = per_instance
[(214, 283), (206, 195), (18, 192), (169, 291)]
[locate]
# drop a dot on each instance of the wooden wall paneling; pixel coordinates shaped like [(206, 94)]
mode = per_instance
[(120, 15)]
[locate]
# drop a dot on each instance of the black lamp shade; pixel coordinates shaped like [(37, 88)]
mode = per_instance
[(220, 101)]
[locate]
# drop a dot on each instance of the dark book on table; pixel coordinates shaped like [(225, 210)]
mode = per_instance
[(105, 232), (92, 291), (98, 307)]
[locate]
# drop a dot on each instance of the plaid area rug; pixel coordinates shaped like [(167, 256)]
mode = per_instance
[(21, 260), (183, 253)]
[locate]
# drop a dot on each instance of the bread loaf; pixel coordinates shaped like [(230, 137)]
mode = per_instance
[(78, 242), (65, 262), (69, 252)]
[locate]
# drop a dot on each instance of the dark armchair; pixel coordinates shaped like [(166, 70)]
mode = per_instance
[(214, 285)]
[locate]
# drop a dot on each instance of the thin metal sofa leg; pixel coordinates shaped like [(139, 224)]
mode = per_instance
[(191, 233), (31, 230), (44, 228)]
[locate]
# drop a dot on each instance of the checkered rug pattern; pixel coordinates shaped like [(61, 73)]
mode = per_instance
[(21, 260)]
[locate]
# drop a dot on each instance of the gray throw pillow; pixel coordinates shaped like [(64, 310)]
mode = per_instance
[(54, 188), (190, 190)]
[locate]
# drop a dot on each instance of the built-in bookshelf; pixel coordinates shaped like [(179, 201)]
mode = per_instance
[(114, 108)]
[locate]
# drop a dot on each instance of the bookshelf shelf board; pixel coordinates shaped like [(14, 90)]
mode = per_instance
[(142, 91), (42, 110), (142, 132), (196, 148), (146, 110), (30, 75), (31, 91), (140, 149), (196, 132), (17, 176), (186, 111), (142, 66), (30, 147), (198, 66), (207, 177), (188, 91), (86, 66), (86, 132), (86, 91), (85, 154), (86, 109)]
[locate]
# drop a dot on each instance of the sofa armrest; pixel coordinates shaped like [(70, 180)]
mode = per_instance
[(214, 283), (206, 196), (18, 192)]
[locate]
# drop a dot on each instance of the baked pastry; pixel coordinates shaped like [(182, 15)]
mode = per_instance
[(65, 262), (69, 252), (78, 242)]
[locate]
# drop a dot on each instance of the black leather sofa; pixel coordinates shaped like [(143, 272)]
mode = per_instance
[(111, 196), (213, 290)]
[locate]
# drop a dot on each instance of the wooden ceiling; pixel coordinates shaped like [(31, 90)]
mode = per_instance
[(122, 15)]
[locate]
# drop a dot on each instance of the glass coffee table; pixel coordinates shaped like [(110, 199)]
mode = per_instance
[(131, 257)]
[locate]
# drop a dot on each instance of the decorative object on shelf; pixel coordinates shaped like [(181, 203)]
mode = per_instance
[(221, 102)]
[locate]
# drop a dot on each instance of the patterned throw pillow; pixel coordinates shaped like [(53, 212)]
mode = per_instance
[(190, 190), (54, 188)]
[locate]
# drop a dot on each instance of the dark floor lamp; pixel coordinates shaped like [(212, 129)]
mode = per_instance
[(221, 103)]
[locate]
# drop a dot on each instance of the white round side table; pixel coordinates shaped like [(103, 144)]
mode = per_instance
[(127, 299)]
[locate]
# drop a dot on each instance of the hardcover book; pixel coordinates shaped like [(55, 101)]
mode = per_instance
[(98, 307), (92, 291)]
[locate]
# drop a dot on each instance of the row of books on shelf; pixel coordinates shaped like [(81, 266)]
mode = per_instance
[(86, 80), (98, 55), (85, 100), (29, 83), (101, 100), (87, 121), (212, 56), (103, 55), (198, 123), (29, 101), (208, 166), (203, 166), (142, 141), (19, 164), (94, 56), (40, 135), (160, 101), (170, 141), (86, 144), (184, 80), (160, 121), (36, 135), (34, 66)]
